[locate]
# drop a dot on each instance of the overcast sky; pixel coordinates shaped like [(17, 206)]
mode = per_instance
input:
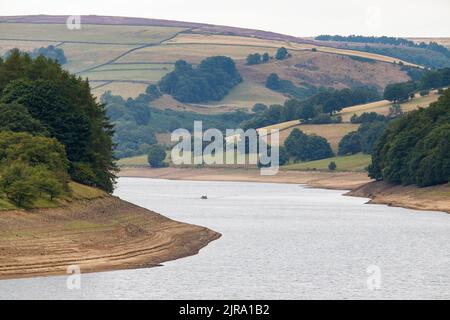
[(294, 17)]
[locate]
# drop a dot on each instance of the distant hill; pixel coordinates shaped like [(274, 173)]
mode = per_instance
[(125, 55)]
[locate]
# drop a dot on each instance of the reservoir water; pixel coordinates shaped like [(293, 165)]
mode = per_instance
[(279, 241)]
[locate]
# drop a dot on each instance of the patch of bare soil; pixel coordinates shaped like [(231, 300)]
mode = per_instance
[(97, 235), (434, 198), (326, 180)]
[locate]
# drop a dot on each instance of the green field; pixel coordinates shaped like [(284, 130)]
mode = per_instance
[(138, 161), (357, 162)]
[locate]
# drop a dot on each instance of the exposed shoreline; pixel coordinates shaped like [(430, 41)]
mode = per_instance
[(315, 179), (435, 198), (107, 233), (103, 234)]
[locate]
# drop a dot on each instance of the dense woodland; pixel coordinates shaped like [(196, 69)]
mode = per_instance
[(415, 149), (211, 80), (50, 127)]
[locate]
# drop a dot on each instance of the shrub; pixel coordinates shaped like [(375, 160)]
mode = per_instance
[(350, 144), (281, 54), (16, 182), (332, 166), (156, 156), (253, 58), (259, 107), (273, 82)]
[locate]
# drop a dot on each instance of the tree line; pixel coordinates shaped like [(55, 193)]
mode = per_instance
[(432, 45), (50, 52), (430, 79), (54, 114), (319, 108), (257, 58)]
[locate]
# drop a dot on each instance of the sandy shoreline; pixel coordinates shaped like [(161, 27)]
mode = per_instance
[(435, 198), (97, 235)]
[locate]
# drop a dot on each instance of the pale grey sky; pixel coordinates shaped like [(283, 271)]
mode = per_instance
[(294, 17)]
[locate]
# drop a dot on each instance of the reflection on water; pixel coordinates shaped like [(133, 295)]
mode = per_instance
[(279, 241)]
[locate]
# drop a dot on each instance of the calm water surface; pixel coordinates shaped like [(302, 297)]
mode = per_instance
[(279, 241)]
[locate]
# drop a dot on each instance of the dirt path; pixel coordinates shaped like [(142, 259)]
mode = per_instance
[(97, 235)]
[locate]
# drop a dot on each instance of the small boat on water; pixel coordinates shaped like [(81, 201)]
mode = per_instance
[(204, 197)]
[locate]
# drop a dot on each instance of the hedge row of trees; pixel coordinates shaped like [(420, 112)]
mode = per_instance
[(320, 108), (257, 58), (212, 79), (432, 46), (431, 79), (419, 56), (41, 98), (367, 117), (415, 149)]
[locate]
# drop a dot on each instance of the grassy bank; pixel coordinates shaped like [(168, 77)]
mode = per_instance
[(357, 162)]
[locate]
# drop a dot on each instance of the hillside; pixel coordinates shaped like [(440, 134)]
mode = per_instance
[(334, 132), (57, 174), (124, 55)]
